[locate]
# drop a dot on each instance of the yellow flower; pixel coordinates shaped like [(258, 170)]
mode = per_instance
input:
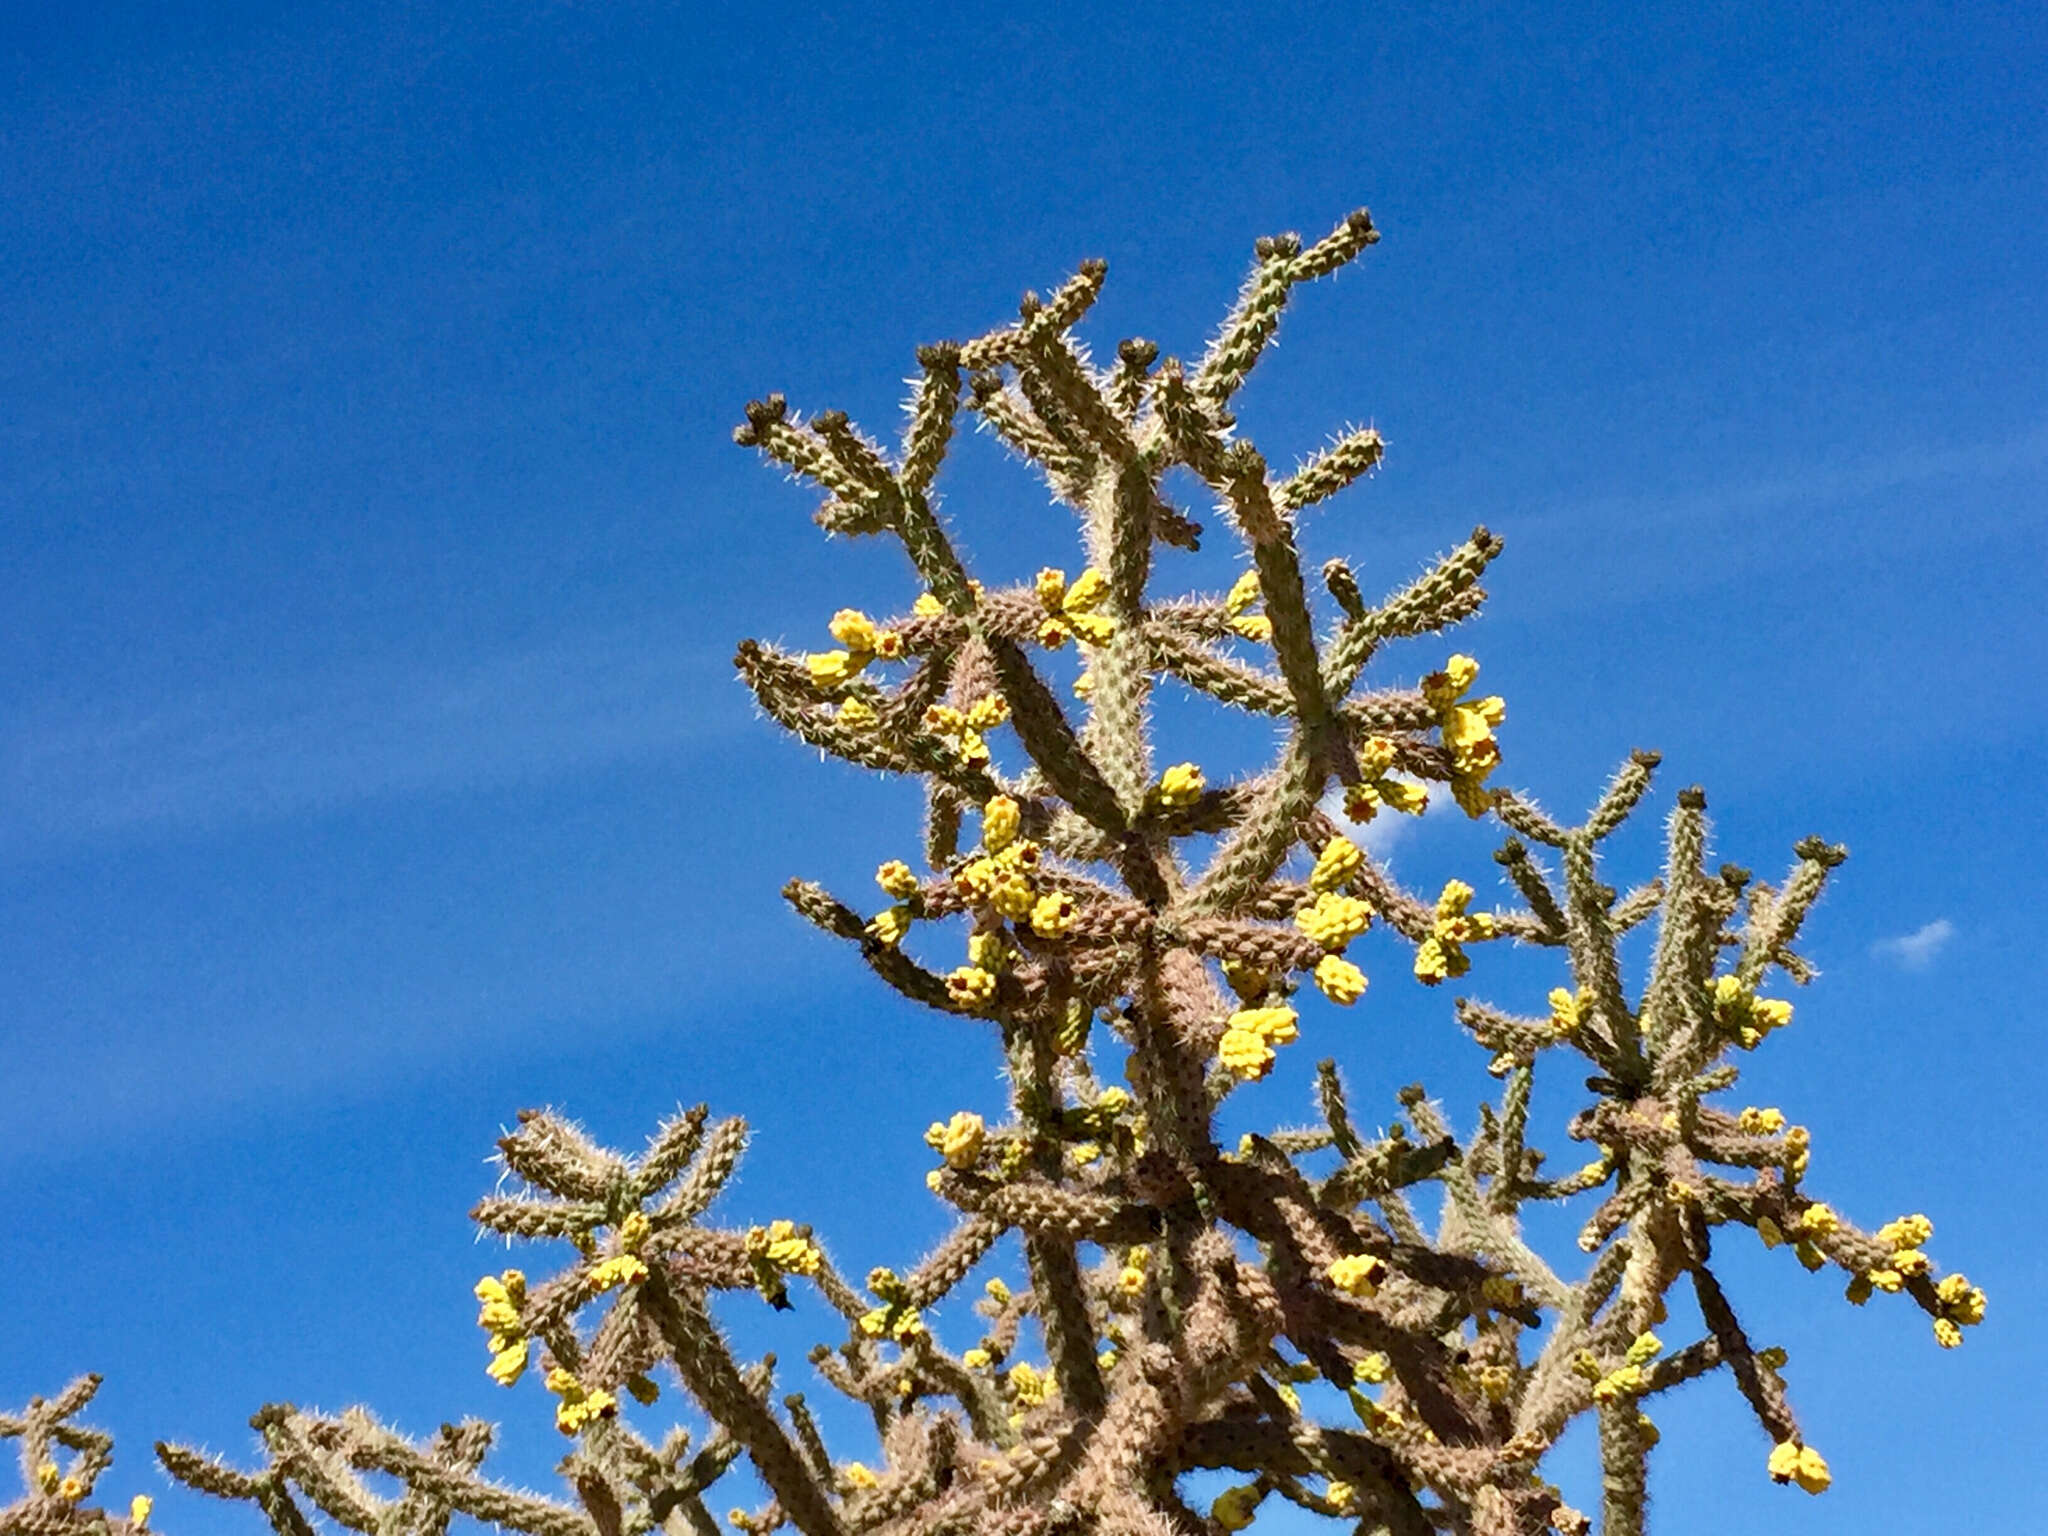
[(1761, 1122), (1819, 1220), (1338, 1494), (1334, 919), (943, 720), (889, 925), (783, 1248), (1273, 1025), (856, 714), (1236, 1508), (1645, 1348), (858, 1476), (509, 1363), (1375, 788), (990, 950), (1243, 594), (1338, 861), (1358, 1274), (1244, 1054), (1000, 819), (1745, 1017), (977, 1358), (958, 1140), (1028, 1385), (1962, 1306), (1374, 1368), (854, 630), (897, 880), (1623, 1381), (1181, 785), (1070, 608), (927, 606), (499, 1313), (1798, 1149), (863, 642), (1341, 981), (1792, 1462), (1466, 727), (1567, 1010), (623, 1269), (47, 1475), (138, 1511), (970, 987), (71, 1490), (1052, 914), (1906, 1232), (579, 1404), (997, 1292), (988, 712), (1442, 954)]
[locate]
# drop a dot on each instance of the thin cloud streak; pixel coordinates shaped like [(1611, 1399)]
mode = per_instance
[(1825, 484), (1916, 951), (202, 761)]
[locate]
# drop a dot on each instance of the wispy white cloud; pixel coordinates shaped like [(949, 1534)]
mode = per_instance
[(1828, 483), (1388, 830), (1917, 950), (80, 773)]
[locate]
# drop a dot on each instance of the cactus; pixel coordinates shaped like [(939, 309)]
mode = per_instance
[(1278, 1310)]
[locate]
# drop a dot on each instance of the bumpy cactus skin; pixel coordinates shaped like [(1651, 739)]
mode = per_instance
[(1278, 1310)]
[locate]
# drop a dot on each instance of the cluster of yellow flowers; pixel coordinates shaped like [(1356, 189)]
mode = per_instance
[(1237, 603), (1626, 1380), (1357, 1274), (958, 1140), (1030, 1386), (1466, 726), (1181, 785), (779, 1249), (1792, 1462), (1334, 919), (579, 1404), (1070, 608), (1743, 1016), (1442, 954), (51, 1479), (895, 1318), (1961, 1303), (502, 1297), (1814, 1221), (1235, 1508), (863, 644), (967, 729), (1131, 1279), (1377, 786), (1246, 1049)]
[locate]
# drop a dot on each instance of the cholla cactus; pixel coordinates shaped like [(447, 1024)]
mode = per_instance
[(57, 1493), (1277, 1310)]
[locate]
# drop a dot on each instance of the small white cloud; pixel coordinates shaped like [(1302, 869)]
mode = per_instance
[(1916, 950), (1386, 831)]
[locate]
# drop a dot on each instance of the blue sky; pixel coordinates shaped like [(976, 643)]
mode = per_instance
[(370, 762)]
